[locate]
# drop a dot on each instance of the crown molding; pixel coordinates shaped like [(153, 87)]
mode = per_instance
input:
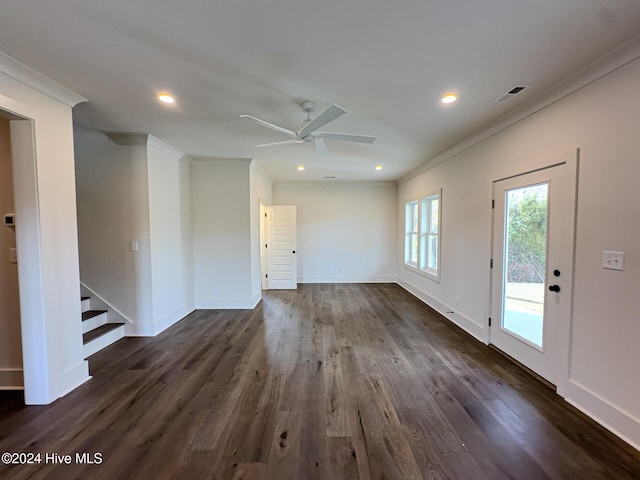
[(594, 71), (30, 77), (123, 138), (341, 183), (218, 161), (164, 147), (260, 170)]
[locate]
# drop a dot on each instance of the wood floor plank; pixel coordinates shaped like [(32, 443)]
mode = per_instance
[(336, 409), (389, 453), (341, 459), (354, 381), (285, 446)]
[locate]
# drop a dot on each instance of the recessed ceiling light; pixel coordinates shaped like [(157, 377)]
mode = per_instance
[(301, 167), (165, 98), (378, 167), (449, 98)]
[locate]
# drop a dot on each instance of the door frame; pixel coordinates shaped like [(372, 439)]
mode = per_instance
[(571, 159), (262, 209)]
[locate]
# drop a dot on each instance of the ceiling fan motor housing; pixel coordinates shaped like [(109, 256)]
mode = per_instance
[(308, 106)]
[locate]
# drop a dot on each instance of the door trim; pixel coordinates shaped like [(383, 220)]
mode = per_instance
[(570, 158)]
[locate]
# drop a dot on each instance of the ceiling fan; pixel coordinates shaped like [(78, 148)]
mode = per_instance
[(308, 131)]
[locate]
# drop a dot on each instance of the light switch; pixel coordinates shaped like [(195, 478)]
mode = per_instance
[(613, 260), (134, 245)]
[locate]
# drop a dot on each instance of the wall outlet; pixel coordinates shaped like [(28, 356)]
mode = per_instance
[(613, 260), (134, 246)]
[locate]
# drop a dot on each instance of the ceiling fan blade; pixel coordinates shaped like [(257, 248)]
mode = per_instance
[(285, 131), (330, 114), (321, 148), (346, 137), (285, 142)]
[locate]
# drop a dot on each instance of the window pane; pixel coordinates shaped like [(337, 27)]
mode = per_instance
[(434, 215), (414, 248), (411, 232), (433, 252)]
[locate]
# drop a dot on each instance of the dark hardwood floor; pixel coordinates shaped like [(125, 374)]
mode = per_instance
[(326, 382)]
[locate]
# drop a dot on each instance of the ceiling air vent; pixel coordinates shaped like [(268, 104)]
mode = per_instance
[(513, 91)]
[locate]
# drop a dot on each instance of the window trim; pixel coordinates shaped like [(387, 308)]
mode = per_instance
[(420, 267)]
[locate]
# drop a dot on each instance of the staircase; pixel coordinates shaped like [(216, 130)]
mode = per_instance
[(97, 332)]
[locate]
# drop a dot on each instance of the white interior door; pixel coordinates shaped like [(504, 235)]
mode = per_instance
[(533, 224), (282, 265)]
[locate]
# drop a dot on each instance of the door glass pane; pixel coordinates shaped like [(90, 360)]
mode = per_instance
[(525, 262)]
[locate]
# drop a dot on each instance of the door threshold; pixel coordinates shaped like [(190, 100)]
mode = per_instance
[(542, 380)]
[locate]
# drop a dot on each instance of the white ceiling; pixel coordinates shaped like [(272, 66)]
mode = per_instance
[(387, 63)]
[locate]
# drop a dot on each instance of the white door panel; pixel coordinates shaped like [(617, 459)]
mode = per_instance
[(282, 271), (531, 286)]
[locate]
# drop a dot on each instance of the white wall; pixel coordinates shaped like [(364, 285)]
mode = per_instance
[(171, 244), (136, 190), (10, 337), (113, 210), (604, 352), (222, 233), (44, 190), (345, 231), (261, 193)]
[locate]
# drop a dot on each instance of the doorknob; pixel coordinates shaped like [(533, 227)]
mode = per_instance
[(554, 288)]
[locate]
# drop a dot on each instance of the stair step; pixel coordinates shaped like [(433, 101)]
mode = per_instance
[(85, 303), (92, 319), (101, 337), (100, 331), (92, 313)]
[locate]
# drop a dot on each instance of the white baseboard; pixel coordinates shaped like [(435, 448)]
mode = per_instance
[(232, 303), (468, 325), (610, 416), (11, 379), (174, 317), (72, 378), (347, 279), (151, 329)]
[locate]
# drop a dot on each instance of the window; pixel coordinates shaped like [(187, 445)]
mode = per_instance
[(429, 234), (411, 234), (422, 235)]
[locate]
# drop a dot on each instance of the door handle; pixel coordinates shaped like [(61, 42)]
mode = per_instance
[(554, 288)]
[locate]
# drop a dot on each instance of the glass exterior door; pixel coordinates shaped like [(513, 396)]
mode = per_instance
[(532, 264)]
